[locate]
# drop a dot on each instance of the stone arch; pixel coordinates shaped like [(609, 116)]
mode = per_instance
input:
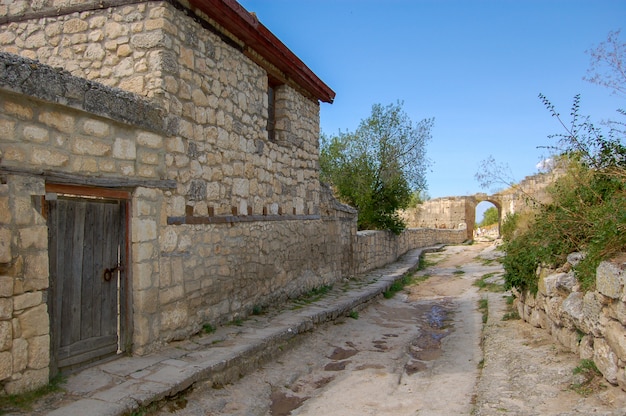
[(472, 203)]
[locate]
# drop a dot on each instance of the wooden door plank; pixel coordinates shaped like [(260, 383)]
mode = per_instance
[(109, 289), (54, 235), (90, 242)]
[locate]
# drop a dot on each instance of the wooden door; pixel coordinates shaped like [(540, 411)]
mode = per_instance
[(88, 251)]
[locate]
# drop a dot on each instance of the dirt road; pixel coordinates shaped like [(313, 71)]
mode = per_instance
[(419, 353)]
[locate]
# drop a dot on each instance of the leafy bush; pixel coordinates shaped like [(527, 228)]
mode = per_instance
[(587, 212)]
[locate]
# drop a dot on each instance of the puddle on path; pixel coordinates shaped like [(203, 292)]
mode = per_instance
[(435, 324), (282, 405)]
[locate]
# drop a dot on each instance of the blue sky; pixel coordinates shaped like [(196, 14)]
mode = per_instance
[(476, 66)]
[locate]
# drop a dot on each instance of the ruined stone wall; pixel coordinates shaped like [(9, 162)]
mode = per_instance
[(527, 194), (592, 324), (445, 213)]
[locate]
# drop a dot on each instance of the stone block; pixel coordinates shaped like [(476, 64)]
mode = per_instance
[(36, 134), (124, 149), (18, 110), (146, 301), (143, 252), (39, 352), (615, 335), (592, 310), (6, 365), (27, 300), (174, 316), (6, 335), (572, 310), (82, 146), (585, 347), (63, 122), (33, 237), (36, 271), (34, 322), (75, 26), (144, 230), (551, 285), (151, 140), (96, 128), (5, 212), (610, 279), (605, 359), (20, 355), (6, 255), (142, 276), (48, 157), (6, 308), (30, 380), (171, 294)]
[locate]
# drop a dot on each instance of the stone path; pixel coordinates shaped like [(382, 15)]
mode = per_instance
[(126, 384), (518, 371)]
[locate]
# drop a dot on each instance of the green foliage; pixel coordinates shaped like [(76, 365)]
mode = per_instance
[(491, 216), (379, 167), (587, 212), (508, 226), (483, 306), (398, 285)]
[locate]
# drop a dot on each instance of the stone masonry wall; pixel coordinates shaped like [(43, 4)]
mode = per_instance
[(24, 323), (223, 220), (592, 324), (218, 95), (374, 249)]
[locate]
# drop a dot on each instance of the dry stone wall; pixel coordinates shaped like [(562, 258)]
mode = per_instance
[(593, 323)]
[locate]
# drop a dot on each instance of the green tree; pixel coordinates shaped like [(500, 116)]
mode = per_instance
[(378, 167), (490, 217)]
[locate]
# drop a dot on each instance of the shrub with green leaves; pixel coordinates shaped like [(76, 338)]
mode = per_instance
[(587, 212)]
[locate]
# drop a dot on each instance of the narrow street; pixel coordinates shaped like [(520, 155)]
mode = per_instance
[(418, 353)]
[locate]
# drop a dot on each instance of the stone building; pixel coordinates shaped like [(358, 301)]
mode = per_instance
[(158, 173)]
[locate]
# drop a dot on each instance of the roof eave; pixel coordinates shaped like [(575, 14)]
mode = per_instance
[(247, 28)]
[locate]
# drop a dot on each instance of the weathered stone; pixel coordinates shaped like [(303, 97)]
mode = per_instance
[(551, 284), (39, 352), (174, 316), (20, 355), (610, 280), (144, 230), (605, 360), (6, 254), (34, 322), (30, 380), (585, 347), (36, 271), (615, 335), (592, 311), (27, 300), (6, 365), (6, 335), (34, 237), (124, 149), (575, 258), (96, 128), (6, 308), (572, 310)]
